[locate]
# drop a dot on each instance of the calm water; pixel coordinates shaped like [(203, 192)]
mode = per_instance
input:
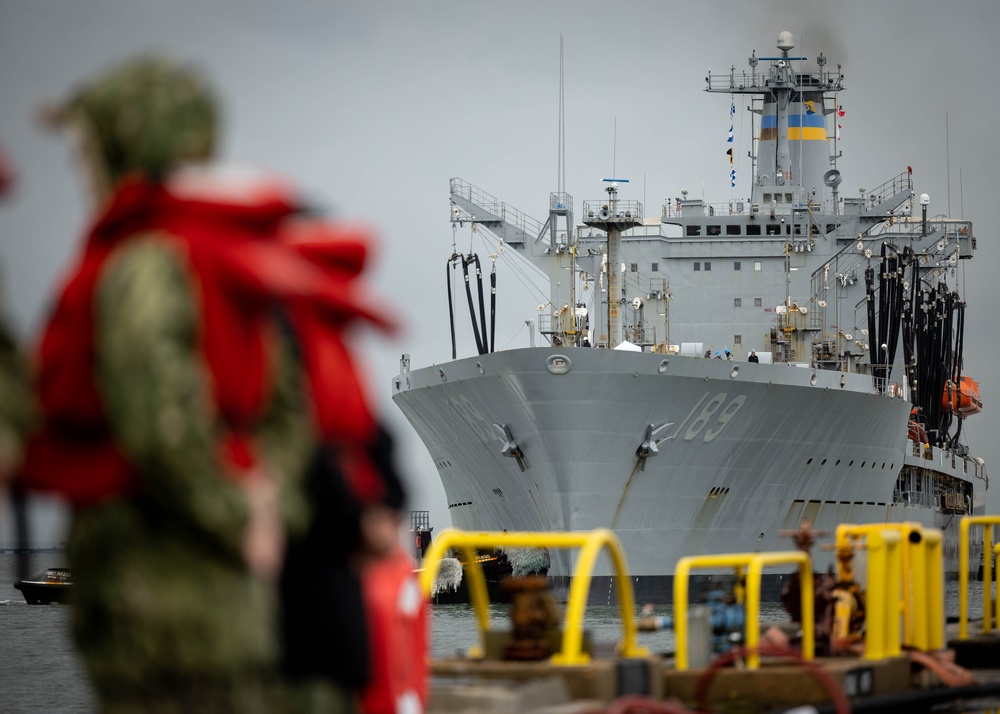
[(40, 671)]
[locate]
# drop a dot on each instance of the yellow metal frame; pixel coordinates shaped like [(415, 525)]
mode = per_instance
[(590, 544), (920, 571), (963, 572), (752, 564)]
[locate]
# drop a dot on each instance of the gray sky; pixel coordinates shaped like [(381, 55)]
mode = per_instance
[(373, 106)]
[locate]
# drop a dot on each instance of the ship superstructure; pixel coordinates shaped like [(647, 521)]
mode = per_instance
[(645, 412)]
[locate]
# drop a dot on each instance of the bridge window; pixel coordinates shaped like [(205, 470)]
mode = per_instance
[(693, 230), (654, 268), (733, 230), (756, 266), (708, 265), (737, 302), (773, 229), (757, 302), (753, 229), (736, 265), (737, 339), (697, 266), (714, 230), (633, 267)]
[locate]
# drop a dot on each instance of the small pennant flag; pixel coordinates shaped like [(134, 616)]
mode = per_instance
[(730, 139), (732, 176), (730, 152), (732, 110)]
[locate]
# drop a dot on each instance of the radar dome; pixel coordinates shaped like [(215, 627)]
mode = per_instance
[(785, 41)]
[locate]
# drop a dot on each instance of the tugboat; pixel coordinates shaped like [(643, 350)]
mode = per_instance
[(52, 585)]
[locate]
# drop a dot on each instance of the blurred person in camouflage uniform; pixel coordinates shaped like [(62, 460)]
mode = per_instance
[(179, 408)]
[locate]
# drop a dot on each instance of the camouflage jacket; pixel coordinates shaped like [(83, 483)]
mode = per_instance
[(161, 587)]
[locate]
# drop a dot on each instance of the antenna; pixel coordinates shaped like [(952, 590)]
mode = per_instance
[(614, 150), (561, 180), (947, 154)]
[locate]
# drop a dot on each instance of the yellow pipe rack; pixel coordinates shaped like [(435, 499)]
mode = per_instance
[(963, 572), (590, 543), (752, 564)]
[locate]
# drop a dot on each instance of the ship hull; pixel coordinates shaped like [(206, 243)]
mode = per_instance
[(739, 453)]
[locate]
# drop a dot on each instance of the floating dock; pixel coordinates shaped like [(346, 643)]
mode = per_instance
[(905, 658)]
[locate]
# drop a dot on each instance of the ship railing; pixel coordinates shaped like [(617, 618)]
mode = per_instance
[(590, 544), (494, 207), (950, 228), (889, 386), (921, 499), (560, 202), (674, 210), (757, 81), (639, 335), (892, 187), (627, 211)]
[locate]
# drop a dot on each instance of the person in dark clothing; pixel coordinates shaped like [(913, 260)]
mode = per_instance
[(753, 357)]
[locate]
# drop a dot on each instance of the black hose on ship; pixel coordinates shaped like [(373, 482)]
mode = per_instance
[(483, 340), (959, 359), (472, 307), (884, 320), (909, 355), (493, 308), (448, 268), (933, 343)]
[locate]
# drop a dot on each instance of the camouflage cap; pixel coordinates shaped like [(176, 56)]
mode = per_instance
[(146, 115)]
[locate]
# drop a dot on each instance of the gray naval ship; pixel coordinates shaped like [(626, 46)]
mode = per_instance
[(714, 375)]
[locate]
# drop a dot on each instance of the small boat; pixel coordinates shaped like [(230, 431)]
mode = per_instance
[(53, 585), (962, 398)]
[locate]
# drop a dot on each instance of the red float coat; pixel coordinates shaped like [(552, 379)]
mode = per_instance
[(246, 251)]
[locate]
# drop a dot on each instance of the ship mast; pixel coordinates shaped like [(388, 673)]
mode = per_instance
[(613, 216)]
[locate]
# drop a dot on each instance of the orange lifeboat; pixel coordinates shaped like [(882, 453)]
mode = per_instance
[(962, 398)]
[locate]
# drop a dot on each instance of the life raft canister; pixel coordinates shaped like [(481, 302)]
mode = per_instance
[(396, 613)]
